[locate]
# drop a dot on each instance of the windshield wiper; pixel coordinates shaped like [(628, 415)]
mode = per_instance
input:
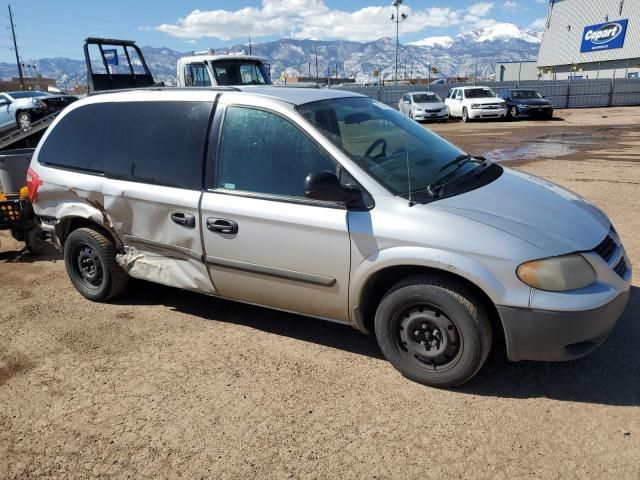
[(461, 160), (434, 189)]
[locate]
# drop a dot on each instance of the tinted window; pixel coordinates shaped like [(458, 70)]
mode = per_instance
[(426, 98), (239, 73), (479, 93), (78, 140), (158, 142), (262, 152), (36, 94), (196, 75)]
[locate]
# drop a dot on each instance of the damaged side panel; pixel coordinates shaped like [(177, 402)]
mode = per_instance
[(141, 218)]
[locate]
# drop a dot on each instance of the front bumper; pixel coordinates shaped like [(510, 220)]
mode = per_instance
[(487, 113), (535, 111), (558, 336), (424, 116)]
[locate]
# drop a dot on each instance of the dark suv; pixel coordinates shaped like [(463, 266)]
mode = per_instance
[(526, 103)]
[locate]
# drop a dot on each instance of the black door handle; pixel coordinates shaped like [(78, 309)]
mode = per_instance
[(220, 225), (185, 219)]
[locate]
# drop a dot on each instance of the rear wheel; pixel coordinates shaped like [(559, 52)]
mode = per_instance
[(34, 240), (90, 259), (433, 330), (24, 120)]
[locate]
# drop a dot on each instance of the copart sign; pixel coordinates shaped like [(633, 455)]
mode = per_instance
[(604, 36)]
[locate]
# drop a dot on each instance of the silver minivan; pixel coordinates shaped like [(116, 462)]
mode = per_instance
[(332, 205)]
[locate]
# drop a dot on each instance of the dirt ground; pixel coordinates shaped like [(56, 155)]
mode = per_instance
[(167, 384)]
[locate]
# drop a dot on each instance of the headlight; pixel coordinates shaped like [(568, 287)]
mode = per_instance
[(476, 106), (557, 274), (524, 107)]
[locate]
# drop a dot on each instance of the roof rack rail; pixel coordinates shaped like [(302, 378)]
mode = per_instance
[(172, 89)]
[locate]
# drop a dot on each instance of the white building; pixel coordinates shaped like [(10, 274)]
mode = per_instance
[(591, 39)]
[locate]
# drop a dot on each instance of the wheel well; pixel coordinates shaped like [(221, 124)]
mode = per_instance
[(381, 282), (68, 225)]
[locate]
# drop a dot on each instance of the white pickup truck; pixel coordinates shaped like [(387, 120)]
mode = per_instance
[(206, 69), (473, 103)]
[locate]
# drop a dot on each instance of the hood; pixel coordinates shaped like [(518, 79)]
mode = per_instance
[(539, 212), (532, 101), (430, 106), (486, 100)]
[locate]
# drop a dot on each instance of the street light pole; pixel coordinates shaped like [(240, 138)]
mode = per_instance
[(398, 18)]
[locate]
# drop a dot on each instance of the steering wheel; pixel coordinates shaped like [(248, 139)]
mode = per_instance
[(374, 145)]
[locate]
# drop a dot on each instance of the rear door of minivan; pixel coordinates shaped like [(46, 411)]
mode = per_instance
[(265, 243), (154, 157)]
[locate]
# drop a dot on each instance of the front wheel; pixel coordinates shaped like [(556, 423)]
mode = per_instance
[(24, 120), (434, 330), (513, 112), (90, 259), (465, 115)]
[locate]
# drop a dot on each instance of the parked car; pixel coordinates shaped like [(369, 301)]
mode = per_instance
[(423, 106), (471, 103), (329, 204), (20, 109), (526, 103)]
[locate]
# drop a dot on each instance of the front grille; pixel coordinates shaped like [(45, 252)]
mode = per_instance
[(491, 107), (436, 110), (607, 248), (621, 268)]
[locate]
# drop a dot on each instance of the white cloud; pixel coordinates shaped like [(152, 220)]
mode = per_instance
[(314, 19), (510, 6), (538, 24)]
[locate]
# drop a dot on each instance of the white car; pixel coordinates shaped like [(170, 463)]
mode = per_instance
[(423, 106), (471, 103)]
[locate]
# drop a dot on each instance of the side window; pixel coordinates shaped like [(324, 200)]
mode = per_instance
[(196, 75), (261, 152), (158, 142), (459, 95), (78, 141)]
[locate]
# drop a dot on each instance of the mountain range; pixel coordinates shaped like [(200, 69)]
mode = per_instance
[(454, 56)]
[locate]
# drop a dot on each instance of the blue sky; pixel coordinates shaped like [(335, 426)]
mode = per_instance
[(54, 29)]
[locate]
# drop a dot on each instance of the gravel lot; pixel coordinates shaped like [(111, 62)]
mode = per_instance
[(165, 383)]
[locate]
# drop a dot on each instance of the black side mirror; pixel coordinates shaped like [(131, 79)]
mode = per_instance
[(326, 186)]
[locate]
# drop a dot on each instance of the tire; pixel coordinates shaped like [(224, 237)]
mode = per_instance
[(465, 115), (90, 259), (433, 330), (513, 113), (550, 115), (24, 120), (34, 240)]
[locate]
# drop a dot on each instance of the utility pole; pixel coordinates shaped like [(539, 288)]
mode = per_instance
[(316, 50), (309, 69), (250, 46), (15, 47), (398, 18)]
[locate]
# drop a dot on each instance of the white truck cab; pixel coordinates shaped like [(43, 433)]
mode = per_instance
[(206, 69)]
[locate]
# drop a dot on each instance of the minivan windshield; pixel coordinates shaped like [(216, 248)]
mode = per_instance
[(397, 152), (31, 94), (426, 98), (479, 93)]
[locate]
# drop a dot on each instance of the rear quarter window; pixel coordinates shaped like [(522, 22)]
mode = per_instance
[(77, 141)]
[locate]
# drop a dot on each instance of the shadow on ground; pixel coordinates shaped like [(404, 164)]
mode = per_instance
[(607, 376)]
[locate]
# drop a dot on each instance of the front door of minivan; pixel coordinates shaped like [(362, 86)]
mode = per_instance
[(264, 242)]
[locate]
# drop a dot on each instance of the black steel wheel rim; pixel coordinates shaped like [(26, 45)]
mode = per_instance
[(88, 266), (428, 337)]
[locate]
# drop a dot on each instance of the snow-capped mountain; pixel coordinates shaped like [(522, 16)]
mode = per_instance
[(454, 56)]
